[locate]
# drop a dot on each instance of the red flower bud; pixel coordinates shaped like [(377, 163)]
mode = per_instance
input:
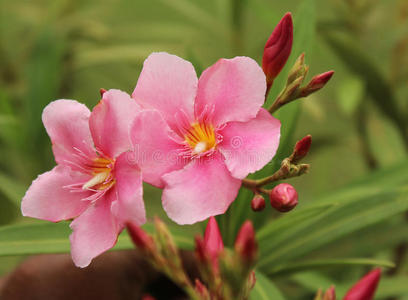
[(212, 238), (283, 197), (330, 294), (201, 289), (209, 248), (251, 280), (365, 288), (148, 297), (301, 149), (278, 48), (140, 238), (245, 244), (200, 249), (258, 203), (316, 83), (102, 91)]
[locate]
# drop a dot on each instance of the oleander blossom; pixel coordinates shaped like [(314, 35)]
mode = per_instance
[(93, 182), (198, 138)]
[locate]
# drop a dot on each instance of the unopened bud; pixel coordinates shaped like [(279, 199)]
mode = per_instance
[(165, 239), (201, 290), (365, 288), (301, 149), (245, 243), (317, 82), (278, 48), (258, 203), (283, 197), (140, 238), (291, 91), (102, 91), (330, 294), (212, 238), (148, 297), (299, 69), (200, 249), (251, 280)]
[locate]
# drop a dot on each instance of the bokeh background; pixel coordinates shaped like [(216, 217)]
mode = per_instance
[(52, 49)]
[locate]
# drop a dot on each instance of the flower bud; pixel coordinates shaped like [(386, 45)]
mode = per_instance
[(258, 203), (330, 294), (278, 48), (299, 69), (201, 290), (283, 197), (212, 238), (365, 288), (251, 280), (140, 238), (148, 297), (165, 241), (317, 82), (301, 149), (245, 243), (102, 91)]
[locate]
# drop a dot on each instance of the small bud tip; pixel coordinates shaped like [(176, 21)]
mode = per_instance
[(102, 91)]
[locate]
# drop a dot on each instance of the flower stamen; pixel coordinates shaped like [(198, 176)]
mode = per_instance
[(201, 138)]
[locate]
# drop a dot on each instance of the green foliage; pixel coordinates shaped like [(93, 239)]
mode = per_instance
[(70, 49), (265, 289)]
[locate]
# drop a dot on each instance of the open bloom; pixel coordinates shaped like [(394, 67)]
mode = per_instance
[(94, 182), (198, 139)]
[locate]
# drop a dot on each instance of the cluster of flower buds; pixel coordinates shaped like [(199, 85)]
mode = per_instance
[(227, 274), (364, 289), (283, 197), (276, 53), (162, 253), (224, 274), (293, 89)]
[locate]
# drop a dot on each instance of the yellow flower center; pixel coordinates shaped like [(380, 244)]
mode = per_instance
[(201, 138), (102, 175)]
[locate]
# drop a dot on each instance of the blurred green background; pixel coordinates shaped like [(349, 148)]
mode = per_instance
[(52, 49)]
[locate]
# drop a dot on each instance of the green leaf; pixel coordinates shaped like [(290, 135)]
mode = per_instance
[(378, 88), (328, 263), (198, 15), (393, 287), (355, 213), (264, 289), (12, 189), (350, 93), (37, 238)]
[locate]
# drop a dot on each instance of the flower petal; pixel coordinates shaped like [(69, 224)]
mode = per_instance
[(235, 87), (110, 121), (129, 206), (155, 149), (202, 189), (66, 122), (48, 197), (249, 146), (95, 231), (169, 84)]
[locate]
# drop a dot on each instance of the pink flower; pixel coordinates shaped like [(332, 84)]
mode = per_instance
[(94, 182), (198, 138)]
